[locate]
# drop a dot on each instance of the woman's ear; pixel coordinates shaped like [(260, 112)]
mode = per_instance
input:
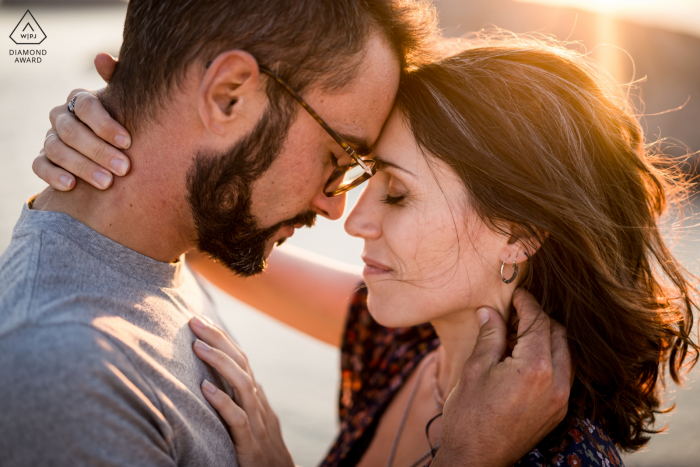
[(522, 244), (229, 90)]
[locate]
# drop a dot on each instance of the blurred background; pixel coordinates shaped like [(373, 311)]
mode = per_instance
[(633, 39)]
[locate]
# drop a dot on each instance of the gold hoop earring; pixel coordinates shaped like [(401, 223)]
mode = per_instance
[(515, 271)]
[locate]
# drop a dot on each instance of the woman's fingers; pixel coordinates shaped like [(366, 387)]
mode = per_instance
[(76, 135), (72, 162), (241, 381), (254, 426), (219, 339), (79, 149), (267, 448), (56, 177), (272, 421), (105, 65), (234, 416), (90, 111)]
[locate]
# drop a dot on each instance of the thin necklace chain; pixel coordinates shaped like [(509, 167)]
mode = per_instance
[(402, 424)]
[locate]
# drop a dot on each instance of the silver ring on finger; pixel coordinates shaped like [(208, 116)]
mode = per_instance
[(49, 136), (71, 104)]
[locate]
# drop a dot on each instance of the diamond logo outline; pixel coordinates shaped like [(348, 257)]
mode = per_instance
[(28, 23)]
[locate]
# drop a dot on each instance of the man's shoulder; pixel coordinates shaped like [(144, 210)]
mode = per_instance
[(37, 264), (18, 267), (70, 367), (70, 395), (42, 247), (67, 351)]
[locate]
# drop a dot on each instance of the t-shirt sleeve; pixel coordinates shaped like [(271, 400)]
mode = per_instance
[(579, 443), (71, 397)]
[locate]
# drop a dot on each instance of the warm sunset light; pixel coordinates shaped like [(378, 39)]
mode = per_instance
[(681, 15), (500, 196)]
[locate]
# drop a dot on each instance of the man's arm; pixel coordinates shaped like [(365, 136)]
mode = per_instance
[(309, 292), (502, 408), (69, 397)]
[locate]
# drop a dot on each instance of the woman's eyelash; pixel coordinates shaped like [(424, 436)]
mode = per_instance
[(393, 200)]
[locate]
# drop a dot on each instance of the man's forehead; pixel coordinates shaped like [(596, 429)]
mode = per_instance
[(358, 112), (359, 117), (361, 145)]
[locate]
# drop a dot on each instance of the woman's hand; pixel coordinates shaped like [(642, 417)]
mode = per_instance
[(85, 144), (254, 427)]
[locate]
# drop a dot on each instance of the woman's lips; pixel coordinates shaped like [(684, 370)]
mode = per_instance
[(375, 268)]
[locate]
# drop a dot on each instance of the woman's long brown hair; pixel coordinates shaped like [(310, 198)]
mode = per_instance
[(543, 142)]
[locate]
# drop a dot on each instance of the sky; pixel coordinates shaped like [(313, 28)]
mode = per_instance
[(677, 15)]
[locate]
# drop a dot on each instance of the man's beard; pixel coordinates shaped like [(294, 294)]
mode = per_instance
[(219, 189)]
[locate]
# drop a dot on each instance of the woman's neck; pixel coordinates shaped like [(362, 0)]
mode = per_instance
[(457, 333)]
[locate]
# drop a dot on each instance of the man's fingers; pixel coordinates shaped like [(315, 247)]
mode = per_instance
[(561, 360), (492, 340), (90, 111), (533, 327), (75, 134), (56, 177), (65, 157), (234, 416), (562, 371), (105, 65)]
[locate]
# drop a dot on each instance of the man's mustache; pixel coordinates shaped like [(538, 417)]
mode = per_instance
[(307, 219)]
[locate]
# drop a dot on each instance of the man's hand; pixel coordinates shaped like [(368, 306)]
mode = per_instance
[(500, 410)]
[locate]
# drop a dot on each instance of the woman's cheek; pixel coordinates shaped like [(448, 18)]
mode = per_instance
[(398, 305)]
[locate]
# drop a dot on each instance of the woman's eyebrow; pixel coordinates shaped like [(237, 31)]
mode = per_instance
[(385, 163)]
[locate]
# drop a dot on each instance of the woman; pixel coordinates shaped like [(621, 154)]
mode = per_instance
[(505, 172)]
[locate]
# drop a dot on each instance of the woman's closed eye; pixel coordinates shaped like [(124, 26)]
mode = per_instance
[(393, 200)]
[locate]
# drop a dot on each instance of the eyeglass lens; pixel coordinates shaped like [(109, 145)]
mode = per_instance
[(345, 178)]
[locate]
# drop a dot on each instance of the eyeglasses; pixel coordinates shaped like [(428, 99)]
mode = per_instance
[(344, 178)]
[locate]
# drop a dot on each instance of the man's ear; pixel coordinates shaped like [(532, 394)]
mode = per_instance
[(229, 90)]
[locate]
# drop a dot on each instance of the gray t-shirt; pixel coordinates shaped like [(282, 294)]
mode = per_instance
[(96, 360)]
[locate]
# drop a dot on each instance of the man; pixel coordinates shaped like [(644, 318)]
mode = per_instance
[(96, 363)]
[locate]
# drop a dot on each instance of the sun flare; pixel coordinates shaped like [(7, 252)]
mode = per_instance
[(677, 15), (619, 6)]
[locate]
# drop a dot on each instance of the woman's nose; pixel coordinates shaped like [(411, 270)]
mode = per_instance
[(331, 208), (362, 221)]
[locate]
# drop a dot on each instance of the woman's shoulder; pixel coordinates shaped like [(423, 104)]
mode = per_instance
[(575, 442)]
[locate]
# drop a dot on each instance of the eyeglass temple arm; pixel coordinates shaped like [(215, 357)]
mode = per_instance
[(348, 149)]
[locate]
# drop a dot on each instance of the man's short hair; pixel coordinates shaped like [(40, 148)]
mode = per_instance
[(307, 42)]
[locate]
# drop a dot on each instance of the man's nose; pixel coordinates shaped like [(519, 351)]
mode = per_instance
[(331, 208)]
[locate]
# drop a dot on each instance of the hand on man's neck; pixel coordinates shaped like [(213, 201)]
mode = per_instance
[(146, 210)]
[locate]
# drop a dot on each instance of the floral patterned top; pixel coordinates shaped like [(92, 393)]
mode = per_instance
[(375, 363)]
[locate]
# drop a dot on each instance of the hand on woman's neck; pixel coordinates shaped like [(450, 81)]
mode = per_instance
[(458, 333)]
